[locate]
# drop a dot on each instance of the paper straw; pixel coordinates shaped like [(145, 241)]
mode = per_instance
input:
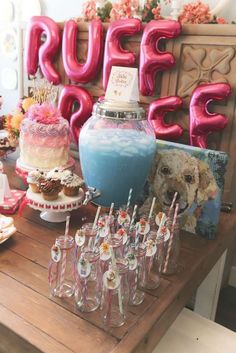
[(162, 222), (113, 259), (172, 203), (93, 228), (136, 240), (63, 261), (96, 217), (111, 210), (67, 227), (133, 216), (129, 199), (171, 238), (151, 209)]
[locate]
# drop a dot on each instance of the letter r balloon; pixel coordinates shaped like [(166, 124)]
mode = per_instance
[(71, 94), (39, 53)]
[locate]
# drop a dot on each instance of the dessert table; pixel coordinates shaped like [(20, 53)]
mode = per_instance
[(33, 321)]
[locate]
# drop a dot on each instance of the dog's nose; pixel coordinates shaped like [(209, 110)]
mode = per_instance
[(171, 193)]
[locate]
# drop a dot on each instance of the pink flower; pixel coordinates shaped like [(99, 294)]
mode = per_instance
[(124, 9), (221, 20), (195, 13), (44, 114), (89, 10)]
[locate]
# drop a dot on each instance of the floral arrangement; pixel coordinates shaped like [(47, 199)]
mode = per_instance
[(12, 121), (193, 13), (44, 113), (197, 13)]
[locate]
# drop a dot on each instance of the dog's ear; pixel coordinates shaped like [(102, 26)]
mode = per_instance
[(207, 188), (152, 173)]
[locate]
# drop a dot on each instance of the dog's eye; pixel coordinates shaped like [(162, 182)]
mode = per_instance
[(188, 178), (165, 171)]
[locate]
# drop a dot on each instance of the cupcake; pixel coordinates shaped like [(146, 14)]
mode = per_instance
[(33, 179), (50, 189), (71, 184), (57, 173)]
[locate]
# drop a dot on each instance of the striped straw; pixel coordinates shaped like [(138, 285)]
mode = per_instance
[(67, 227), (129, 199), (108, 221), (172, 204), (151, 209), (96, 217), (162, 222), (133, 217), (136, 240), (93, 228), (171, 238), (63, 261)]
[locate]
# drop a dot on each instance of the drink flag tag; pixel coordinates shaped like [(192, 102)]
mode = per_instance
[(123, 84)]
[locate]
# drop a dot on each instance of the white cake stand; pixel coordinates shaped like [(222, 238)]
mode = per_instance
[(54, 211), (23, 169)]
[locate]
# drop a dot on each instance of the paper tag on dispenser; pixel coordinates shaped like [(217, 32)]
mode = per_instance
[(123, 84)]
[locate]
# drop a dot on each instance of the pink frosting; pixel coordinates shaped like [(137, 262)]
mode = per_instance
[(44, 113), (53, 141)]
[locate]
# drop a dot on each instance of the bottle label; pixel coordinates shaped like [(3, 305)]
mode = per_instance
[(111, 279), (143, 227), (123, 218), (121, 233), (151, 247), (133, 263), (105, 253), (79, 238), (159, 217), (55, 253), (83, 268)]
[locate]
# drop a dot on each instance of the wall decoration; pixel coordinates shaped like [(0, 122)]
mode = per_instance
[(71, 95), (8, 43), (9, 79), (42, 53), (156, 114), (152, 59), (87, 71), (202, 122), (114, 54), (198, 177)]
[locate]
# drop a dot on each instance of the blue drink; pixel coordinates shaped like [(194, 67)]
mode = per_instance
[(114, 160)]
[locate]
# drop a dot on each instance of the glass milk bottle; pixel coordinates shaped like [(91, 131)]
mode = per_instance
[(117, 147), (61, 267)]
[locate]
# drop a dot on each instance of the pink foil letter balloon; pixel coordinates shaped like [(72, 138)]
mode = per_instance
[(156, 114), (114, 54), (73, 94), (152, 59), (202, 123), (77, 72), (37, 52)]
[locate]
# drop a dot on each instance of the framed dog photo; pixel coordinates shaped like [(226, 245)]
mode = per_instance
[(198, 177)]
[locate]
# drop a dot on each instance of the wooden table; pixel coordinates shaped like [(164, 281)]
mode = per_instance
[(32, 321)]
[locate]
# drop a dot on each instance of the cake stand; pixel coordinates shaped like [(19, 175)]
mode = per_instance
[(54, 211), (23, 170)]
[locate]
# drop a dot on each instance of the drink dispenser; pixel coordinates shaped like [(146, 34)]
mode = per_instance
[(117, 147)]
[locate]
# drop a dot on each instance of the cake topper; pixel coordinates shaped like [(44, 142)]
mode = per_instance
[(43, 91)]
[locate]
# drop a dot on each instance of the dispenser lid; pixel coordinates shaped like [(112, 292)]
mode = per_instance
[(119, 110)]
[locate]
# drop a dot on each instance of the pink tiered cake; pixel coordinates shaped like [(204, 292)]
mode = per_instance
[(44, 138)]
